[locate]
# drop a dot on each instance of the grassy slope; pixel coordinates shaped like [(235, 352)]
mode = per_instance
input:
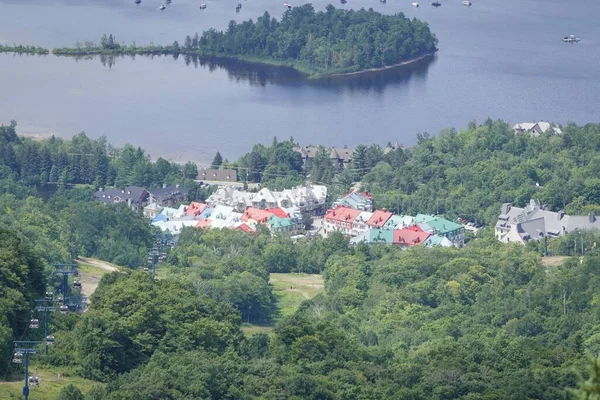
[(49, 387), (290, 291)]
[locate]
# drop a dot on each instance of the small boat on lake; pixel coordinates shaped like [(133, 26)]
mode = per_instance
[(287, 5), (436, 4), (571, 39), (162, 7), (466, 3), (202, 6), (383, 1), (168, 1), (415, 4), (343, 1), (137, 1), (238, 7)]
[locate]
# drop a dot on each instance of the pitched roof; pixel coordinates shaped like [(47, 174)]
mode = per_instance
[(260, 216), (211, 174), (279, 212), (195, 209), (245, 228), (277, 222), (135, 193), (379, 218), (409, 237), (165, 192), (342, 214), (203, 223)]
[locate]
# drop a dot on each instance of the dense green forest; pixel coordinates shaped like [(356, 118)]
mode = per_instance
[(318, 43), (485, 322), (489, 321)]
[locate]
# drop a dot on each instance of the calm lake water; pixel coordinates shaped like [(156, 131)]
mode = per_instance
[(499, 58)]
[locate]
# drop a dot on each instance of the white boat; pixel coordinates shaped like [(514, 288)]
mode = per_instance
[(571, 39), (162, 7), (466, 3), (288, 5), (202, 6), (415, 4)]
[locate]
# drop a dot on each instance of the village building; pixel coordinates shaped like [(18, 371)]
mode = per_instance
[(535, 129), (167, 196), (135, 197), (357, 200), (216, 175), (534, 222)]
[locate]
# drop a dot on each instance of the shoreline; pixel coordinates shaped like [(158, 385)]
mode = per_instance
[(407, 62)]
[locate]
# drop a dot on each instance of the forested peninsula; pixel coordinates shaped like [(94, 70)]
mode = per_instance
[(321, 43)]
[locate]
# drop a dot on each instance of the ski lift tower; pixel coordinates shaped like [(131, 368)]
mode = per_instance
[(46, 306), (25, 348), (153, 254), (66, 270)]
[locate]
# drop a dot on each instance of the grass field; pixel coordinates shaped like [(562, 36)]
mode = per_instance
[(553, 261), (290, 291), (50, 385)]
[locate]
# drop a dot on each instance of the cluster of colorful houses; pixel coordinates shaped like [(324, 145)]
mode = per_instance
[(282, 211), (232, 208), (354, 215)]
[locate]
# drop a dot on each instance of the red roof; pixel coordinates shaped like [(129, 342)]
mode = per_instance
[(279, 212), (379, 218), (342, 214), (203, 223), (408, 237), (260, 216), (195, 208), (415, 228), (245, 228)]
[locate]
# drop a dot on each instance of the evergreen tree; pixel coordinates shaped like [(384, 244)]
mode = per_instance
[(217, 161), (53, 178)]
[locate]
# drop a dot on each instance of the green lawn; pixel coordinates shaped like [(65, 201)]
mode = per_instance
[(290, 291), (50, 385)]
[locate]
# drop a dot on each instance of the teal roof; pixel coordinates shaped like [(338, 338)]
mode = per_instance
[(380, 236), (440, 225), (392, 222), (279, 223)]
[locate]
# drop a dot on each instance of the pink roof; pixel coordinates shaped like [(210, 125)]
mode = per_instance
[(279, 212), (379, 218), (203, 223), (260, 216), (195, 208), (342, 214), (409, 237)]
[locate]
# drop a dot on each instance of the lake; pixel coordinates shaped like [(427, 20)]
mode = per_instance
[(499, 58)]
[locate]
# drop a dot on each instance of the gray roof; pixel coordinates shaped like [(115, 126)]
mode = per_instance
[(534, 222), (135, 193), (210, 174), (165, 192)]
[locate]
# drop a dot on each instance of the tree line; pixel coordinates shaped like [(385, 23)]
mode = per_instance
[(318, 43)]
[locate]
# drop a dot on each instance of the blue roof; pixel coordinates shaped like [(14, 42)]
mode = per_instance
[(206, 213), (160, 217)]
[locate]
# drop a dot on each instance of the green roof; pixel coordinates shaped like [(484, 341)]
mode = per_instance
[(278, 223), (381, 236), (441, 225)]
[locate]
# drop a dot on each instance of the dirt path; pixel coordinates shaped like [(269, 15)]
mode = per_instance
[(90, 279)]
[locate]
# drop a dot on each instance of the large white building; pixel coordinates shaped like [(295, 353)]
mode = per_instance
[(533, 222), (305, 198)]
